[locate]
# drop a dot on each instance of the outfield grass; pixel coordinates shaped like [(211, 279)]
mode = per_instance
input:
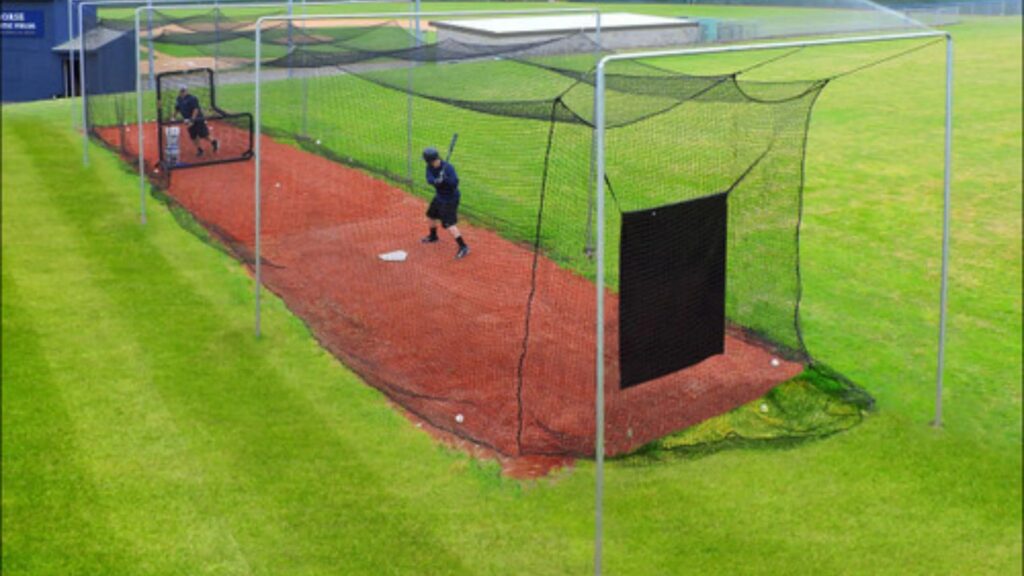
[(146, 432)]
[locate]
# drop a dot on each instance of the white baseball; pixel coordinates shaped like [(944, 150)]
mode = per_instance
[(775, 362), (764, 407), (459, 418)]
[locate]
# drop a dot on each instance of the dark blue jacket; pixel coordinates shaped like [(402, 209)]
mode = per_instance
[(187, 105), (445, 182)]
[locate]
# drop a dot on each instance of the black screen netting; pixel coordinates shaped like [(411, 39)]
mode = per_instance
[(499, 347), (671, 287), (192, 129)]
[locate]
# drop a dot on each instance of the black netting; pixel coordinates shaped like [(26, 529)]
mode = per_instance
[(672, 287), (501, 351), (215, 136)]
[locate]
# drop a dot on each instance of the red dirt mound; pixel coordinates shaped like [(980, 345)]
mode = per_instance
[(444, 338)]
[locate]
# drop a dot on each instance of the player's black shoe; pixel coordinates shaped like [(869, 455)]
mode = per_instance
[(462, 253), (429, 239), (216, 146), (199, 152)]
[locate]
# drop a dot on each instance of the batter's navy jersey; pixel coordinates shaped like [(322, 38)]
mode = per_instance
[(445, 182)]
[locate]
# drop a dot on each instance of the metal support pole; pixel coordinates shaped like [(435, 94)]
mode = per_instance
[(947, 183), (216, 36), (149, 44), (291, 41), (71, 58), (588, 244), (599, 121), (394, 15), (81, 74), (258, 166), (305, 86), (419, 29), (417, 39), (138, 126)]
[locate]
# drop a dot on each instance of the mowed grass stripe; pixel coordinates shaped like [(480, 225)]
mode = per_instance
[(148, 491), (46, 489), (274, 452)]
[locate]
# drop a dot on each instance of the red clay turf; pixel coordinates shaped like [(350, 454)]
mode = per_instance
[(442, 337)]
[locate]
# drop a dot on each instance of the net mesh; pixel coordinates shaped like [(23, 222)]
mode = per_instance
[(498, 348)]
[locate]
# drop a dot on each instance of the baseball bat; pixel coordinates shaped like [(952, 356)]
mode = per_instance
[(451, 146)]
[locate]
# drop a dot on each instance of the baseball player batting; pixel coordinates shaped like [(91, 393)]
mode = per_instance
[(444, 208)]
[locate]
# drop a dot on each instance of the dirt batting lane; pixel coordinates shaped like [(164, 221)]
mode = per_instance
[(441, 337)]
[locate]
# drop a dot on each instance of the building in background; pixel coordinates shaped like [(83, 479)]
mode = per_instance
[(37, 52)]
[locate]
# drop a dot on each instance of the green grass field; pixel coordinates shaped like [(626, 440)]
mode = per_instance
[(146, 432)]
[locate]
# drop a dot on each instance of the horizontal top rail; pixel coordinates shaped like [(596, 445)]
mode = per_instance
[(244, 5), (350, 15), (770, 46)]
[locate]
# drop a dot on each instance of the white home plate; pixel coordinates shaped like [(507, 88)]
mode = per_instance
[(396, 256)]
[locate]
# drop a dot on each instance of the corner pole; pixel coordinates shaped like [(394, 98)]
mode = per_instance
[(947, 182), (138, 123), (599, 128)]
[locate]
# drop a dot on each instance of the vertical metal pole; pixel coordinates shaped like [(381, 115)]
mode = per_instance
[(419, 31), (258, 165), (138, 124), (418, 40), (149, 42), (599, 111), (81, 74), (70, 91), (305, 85), (946, 187), (216, 37), (588, 245), (291, 42), (67, 93)]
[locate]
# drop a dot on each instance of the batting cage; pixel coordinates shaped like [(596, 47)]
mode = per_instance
[(676, 185), (703, 174)]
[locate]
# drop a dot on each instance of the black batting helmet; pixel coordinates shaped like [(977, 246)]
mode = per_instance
[(430, 154)]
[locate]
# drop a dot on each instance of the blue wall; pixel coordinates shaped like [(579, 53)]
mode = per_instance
[(111, 68), (31, 69)]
